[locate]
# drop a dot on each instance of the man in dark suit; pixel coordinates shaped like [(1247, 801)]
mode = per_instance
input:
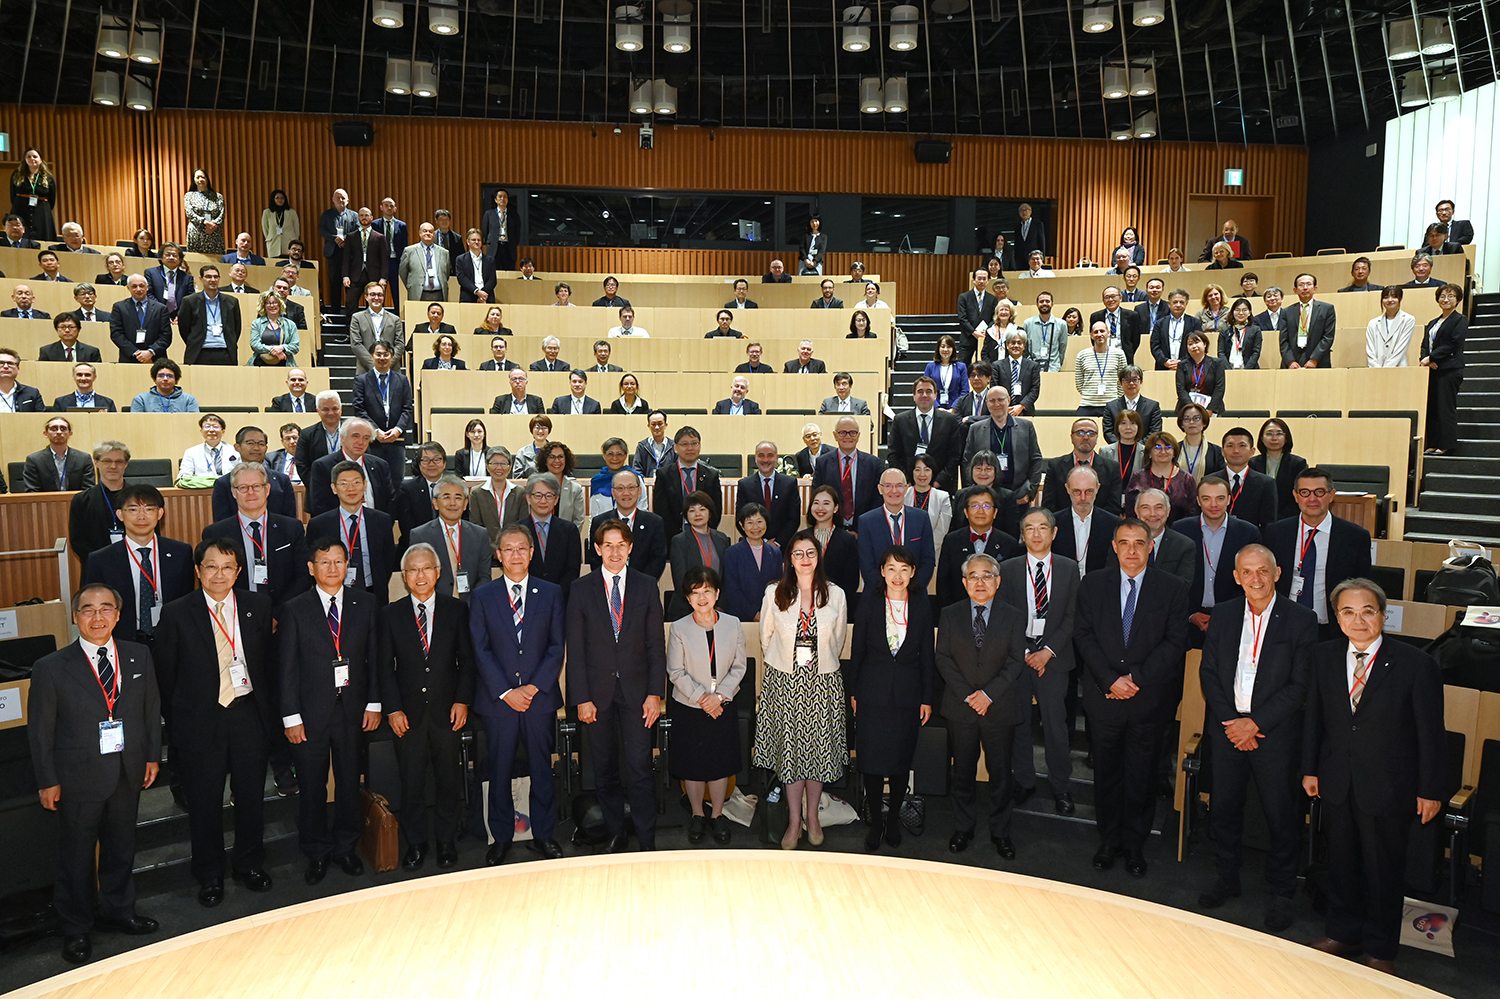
[(825, 299), (24, 298), (426, 666), (57, 467), (1169, 335), (776, 491), (365, 532), (220, 704), (854, 473), (1126, 326), (252, 442), (330, 691), (1153, 309), (1307, 328), (1031, 235), (648, 547), (67, 346), (335, 225), (464, 553), (1131, 398), (83, 395), (1373, 741), (1012, 439), (366, 260), (979, 537), (275, 547), (1085, 533), (1257, 661), (737, 404), (559, 552), (501, 234), (804, 363), (295, 399), (475, 271), (148, 570), (1217, 538), (617, 673), (95, 736), (970, 407), (384, 397), (168, 284), (1319, 550), (980, 654), (416, 498), (139, 326), (209, 323), (976, 310), (518, 626), (1460, 231), (1085, 437), (1044, 588), (296, 313), (1252, 494), (741, 299), (1170, 551), (1019, 373), (354, 445), (241, 253), (447, 237), (15, 234), (322, 437), (396, 236), (1131, 635), (681, 475), (518, 400), (777, 274), (1239, 246), (931, 433), (752, 365), (577, 401), (1270, 320), (893, 523), (549, 360)]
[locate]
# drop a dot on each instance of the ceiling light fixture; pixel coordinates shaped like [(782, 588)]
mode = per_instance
[(387, 14), (1145, 126), (1116, 82), (424, 81), (138, 95), (904, 18), (1402, 40), (896, 95), (663, 97), (640, 98), (630, 33), (871, 100), (442, 20), (145, 47), (1437, 37), (1445, 88), (106, 89), (1098, 19), (856, 29), (398, 76), (113, 42), (1414, 89), (1142, 81), (677, 25), (1147, 12)]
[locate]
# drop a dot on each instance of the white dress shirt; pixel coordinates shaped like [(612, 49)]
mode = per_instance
[(92, 651), (199, 460), (1349, 663), (1252, 640), (1319, 577), (326, 599), (1081, 528), (152, 564), (1034, 624)]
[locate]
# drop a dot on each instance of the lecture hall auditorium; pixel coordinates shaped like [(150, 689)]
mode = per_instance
[(1166, 592)]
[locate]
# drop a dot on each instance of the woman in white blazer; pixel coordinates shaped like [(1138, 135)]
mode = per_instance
[(557, 458), (925, 496), (1389, 334), (800, 729), (199, 459)]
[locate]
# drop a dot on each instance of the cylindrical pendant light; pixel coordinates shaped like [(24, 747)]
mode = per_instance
[(1445, 88), (1116, 82), (904, 18), (1122, 134), (856, 29), (114, 42), (1145, 126), (442, 20), (1142, 81), (387, 14), (138, 95), (1402, 40), (398, 76), (663, 97), (145, 47), (630, 33), (424, 82), (1437, 37), (895, 95), (1414, 89), (1147, 12), (871, 100), (1099, 18), (106, 89), (677, 33)]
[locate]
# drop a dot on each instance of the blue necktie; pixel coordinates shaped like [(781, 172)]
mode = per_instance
[(148, 592), (1128, 618), (1307, 570), (616, 606), (333, 616)]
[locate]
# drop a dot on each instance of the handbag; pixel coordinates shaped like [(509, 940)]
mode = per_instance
[(913, 813), (380, 843), (773, 818), (1466, 578), (520, 794)]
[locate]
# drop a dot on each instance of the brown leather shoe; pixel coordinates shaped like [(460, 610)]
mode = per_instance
[(1381, 964), (1337, 948)]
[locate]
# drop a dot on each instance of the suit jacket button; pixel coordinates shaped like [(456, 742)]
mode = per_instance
[(424, 690)]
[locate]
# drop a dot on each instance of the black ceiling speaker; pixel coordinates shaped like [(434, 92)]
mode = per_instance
[(358, 133), (933, 151)]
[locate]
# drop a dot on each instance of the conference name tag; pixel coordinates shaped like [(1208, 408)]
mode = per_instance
[(140, 336), (1296, 588), (216, 329), (461, 583), (239, 677), (804, 655), (341, 673), (1004, 461), (349, 576), (111, 737), (260, 575), (116, 534), (1037, 628)]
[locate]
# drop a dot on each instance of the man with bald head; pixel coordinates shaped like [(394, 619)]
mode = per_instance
[(854, 473), (895, 523), (25, 299), (424, 267), (242, 254), (774, 490), (335, 225), (139, 325)]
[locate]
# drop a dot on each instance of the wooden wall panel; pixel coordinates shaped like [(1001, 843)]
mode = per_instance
[(118, 169)]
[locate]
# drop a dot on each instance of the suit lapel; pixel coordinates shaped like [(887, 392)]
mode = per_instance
[(1380, 671), (82, 673)]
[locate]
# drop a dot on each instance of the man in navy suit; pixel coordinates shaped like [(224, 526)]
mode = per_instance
[(366, 533), (275, 547), (854, 473), (169, 284), (737, 404), (648, 548), (777, 492), (251, 442), (1257, 662), (617, 674), (396, 239), (518, 627), (576, 401), (894, 523), (1252, 494), (979, 537), (1217, 538), (1319, 550), (684, 474), (139, 325), (384, 397), (559, 552), (241, 253), (148, 570), (1169, 335)]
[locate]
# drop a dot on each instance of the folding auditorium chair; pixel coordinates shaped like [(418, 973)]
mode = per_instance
[(460, 410), (1330, 251), (15, 474), (228, 409), (802, 411), (149, 472), (1302, 414), (1278, 255), (1389, 246), (1373, 479), (729, 466)]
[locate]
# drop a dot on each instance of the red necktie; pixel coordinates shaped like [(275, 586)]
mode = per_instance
[(847, 487), (70, 353), (975, 539), (767, 484)]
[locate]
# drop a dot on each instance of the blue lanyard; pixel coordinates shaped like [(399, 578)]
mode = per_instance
[(215, 311)]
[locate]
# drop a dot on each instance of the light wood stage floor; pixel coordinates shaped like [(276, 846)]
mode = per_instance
[(727, 923)]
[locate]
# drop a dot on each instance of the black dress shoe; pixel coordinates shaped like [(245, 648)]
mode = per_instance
[(648, 847), (351, 864), (447, 855), (872, 839), (1135, 863), (1064, 804), (77, 949), (697, 828), (211, 894), (893, 832), (1022, 794), (721, 829), (617, 843), (286, 783), (179, 796), (1005, 846), (1279, 914), (960, 841), (547, 847), (1221, 892), (255, 879), (1105, 858), (316, 870), (133, 925), (415, 854), (495, 856)]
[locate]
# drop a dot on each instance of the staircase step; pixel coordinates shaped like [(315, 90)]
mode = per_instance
[(1422, 525), (1470, 447), (1479, 431), (1471, 504), (1462, 466)]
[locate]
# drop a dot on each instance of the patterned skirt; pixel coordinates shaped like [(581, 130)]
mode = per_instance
[(799, 732)]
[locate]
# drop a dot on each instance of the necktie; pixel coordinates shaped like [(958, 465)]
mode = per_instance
[(218, 461), (226, 657), (1361, 669), (1307, 569), (1015, 379), (422, 627), (518, 605), (1151, 559), (616, 606), (431, 274), (385, 388), (258, 545), (1041, 591), (140, 311), (979, 627), (541, 536), (106, 671), (148, 590), (924, 422), (978, 541), (767, 484), (70, 353), (170, 280), (297, 404), (1128, 617), (846, 484), (356, 559), (1235, 487), (895, 529), (26, 314), (691, 478), (333, 615), (1111, 325)]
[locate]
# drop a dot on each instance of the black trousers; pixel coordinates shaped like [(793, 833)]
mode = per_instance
[(215, 355), (110, 824), (1442, 409), (875, 787), (340, 743), (995, 732), (1366, 868), (621, 745), (236, 747), (1126, 734), (430, 745), (1274, 764), (394, 455), (1051, 692), (505, 254), (538, 727)]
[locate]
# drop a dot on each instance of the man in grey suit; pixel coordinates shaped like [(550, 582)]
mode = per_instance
[(841, 401), (1018, 457), (1045, 590), (95, 733), (424, 268), (57, 467), (577, 401), (1171, 551), (373, 324), (826, 300), (451, 535), (1307, 328)]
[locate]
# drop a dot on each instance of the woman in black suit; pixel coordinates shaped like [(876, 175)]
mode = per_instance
[(697, 544), (1277, 460), (33, 195), (889, 679), (1443, 354), (144, 246), (444, 355), (1201, 378), (859, 326), (1240, 341), (471, 460), (840, 559)]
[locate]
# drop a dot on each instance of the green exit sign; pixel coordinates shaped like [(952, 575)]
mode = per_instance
[(1233, 177)]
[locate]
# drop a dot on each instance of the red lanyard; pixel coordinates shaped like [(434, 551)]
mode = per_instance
[(1257, 634), (703, 552), (713, 662), (514, 611), (458, 562), (682, 474), (1235, 496), (337, 632), (920, 500), (499, 500), (228, 633), (1309, 535), (901, 622), (426, 642), (1127, 462), (620, 617), (898, 537), (110, 696), (350, 538), (260, 546), (152, 574)]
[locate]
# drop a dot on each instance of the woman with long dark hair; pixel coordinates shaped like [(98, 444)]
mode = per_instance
[(33, 195), (1277, 460), (204, 208), (279, 224)]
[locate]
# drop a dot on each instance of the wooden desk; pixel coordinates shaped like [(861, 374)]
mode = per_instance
[(719, 355), (530, 323), (677, 293)]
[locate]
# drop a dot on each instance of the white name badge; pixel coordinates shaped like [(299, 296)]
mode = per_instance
[(921, 449), (1037, 627), (349, 576), (1296, 587), (804, 655), (260, 575), (31, 202), (140, 336), (1004, 461), (116, 534), (1199, 398), (461, 583), (278, 230), (111, 737), (216, 329), (1302, 339), (239, 677), (340, 673)]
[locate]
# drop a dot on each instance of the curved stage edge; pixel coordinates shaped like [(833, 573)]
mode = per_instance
[(728, 922)]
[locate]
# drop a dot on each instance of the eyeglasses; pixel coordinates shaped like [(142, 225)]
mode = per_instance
[(1312, 493), (1085, 433), (1163, 447), (981, 577), (1273, 432), (516, 550), (329, 563), (539, 495), (432, 460), (252, 487), (804, 556), (846, 433), (980, 507)]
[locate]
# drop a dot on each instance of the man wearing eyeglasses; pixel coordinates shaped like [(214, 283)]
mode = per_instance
[(251, 442), (978, 537), (1317, 550), (1085, 437), (854, 473)]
